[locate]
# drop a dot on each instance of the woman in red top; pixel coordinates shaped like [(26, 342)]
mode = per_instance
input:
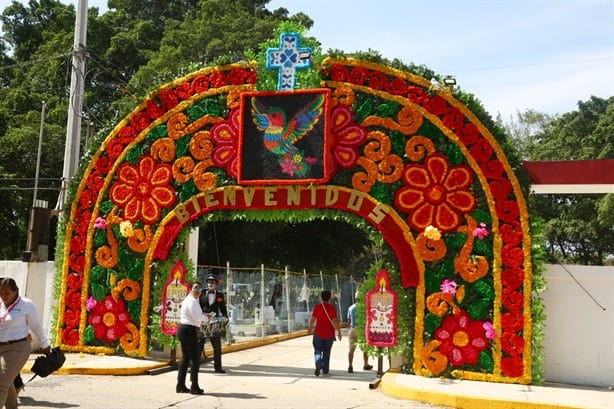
[(322, 324)]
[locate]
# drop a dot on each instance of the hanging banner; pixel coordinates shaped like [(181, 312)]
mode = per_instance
[(381, 329), (174, 291)]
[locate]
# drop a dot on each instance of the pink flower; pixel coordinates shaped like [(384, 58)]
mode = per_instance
[(90, 303), (489, 330), (449, 286), (100, 223), (480, 232), (287, 166)]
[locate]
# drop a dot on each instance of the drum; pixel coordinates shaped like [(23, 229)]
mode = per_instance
[(215, 326)]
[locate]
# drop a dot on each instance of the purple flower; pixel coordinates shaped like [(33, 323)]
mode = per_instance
[(489, 330)]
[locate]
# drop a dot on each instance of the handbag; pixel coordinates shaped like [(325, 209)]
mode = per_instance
[(47, 364)]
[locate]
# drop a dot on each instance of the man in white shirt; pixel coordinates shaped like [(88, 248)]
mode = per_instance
[(190, 320)]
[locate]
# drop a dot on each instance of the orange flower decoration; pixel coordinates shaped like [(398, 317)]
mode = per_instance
[(142, 190), (436, 193)]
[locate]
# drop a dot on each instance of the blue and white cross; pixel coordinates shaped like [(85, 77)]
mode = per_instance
[(288, 58)]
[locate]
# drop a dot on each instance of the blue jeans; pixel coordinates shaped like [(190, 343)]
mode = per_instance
[(321, 349)]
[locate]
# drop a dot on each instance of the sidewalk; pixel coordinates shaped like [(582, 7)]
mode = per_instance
[(441, 392)]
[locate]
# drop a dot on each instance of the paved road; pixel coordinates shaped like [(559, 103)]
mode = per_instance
[(273, 376)]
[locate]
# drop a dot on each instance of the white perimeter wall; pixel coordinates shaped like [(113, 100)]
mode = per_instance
[(579, 343)]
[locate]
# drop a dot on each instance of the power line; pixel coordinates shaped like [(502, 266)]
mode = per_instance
[(32, 62)]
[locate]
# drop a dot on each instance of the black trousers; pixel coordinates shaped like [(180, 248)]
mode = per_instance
[(190, 355), (216, 343)]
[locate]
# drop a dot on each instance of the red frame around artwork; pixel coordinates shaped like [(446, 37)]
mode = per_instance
[(247, 130)]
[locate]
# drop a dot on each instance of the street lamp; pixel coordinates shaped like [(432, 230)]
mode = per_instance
[(450, 82)]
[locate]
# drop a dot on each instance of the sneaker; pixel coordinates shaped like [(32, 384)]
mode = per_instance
[(350, 370), (367, 367)]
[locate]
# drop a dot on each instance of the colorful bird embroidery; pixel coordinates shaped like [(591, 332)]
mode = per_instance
[(280, 135)]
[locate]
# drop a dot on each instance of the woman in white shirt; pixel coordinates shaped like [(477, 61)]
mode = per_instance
[(190, 320), (18, 317)]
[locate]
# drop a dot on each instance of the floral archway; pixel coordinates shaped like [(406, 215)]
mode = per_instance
[(413, 161)]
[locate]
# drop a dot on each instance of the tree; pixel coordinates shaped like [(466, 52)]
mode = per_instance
[(578, 228)]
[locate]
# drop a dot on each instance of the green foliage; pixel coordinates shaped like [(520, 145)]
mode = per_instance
[(538, 310), (571, 222)]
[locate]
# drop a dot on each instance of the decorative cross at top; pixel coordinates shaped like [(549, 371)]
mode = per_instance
[(288, 58)]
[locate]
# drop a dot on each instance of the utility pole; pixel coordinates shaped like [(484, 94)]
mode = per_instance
[(75, 103)]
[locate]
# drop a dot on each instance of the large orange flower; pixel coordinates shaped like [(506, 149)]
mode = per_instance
[(142, 190), (435, 193)]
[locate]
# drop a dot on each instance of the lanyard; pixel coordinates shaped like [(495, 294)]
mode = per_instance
[(10, 309)]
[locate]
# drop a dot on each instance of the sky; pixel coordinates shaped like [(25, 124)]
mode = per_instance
[(512, 55)]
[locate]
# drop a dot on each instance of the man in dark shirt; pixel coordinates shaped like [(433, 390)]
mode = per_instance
[(213, 303)]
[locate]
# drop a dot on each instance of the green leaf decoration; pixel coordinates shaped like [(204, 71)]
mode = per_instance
[(432, 132), (365, 110), (446, 270), (100, 238), (126, 257), (482, 248), (134, 308), (158, 132), (110, 273), (482, 216), (98, 291), (431, 322), (182, 146), (388, 110), (88, 335), (486, 362), (398, 141), (454, 154), (195, 112), (380, 192), (454, 241), (98, 274), (485, 289), (134, 154), (188, 190), (213, 107), (477, 310), (105, 207), (136, 271), (433, 281)]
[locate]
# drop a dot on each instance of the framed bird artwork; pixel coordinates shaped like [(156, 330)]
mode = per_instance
[(284, 137)]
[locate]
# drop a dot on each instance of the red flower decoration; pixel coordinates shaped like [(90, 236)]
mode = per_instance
[(184, 90), (436, 105), (140, 121), (109, 319), (461, 339), (512, 367), (103, 165), (225, 134), (114, 149), (359, 75), (169, 98), (339, 72), (70, 336), (435, 193), (71, 318), (154, 111), (73, 300), (200, 84), (74, 281), (126, 135), (143, 190), (346, 136)]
